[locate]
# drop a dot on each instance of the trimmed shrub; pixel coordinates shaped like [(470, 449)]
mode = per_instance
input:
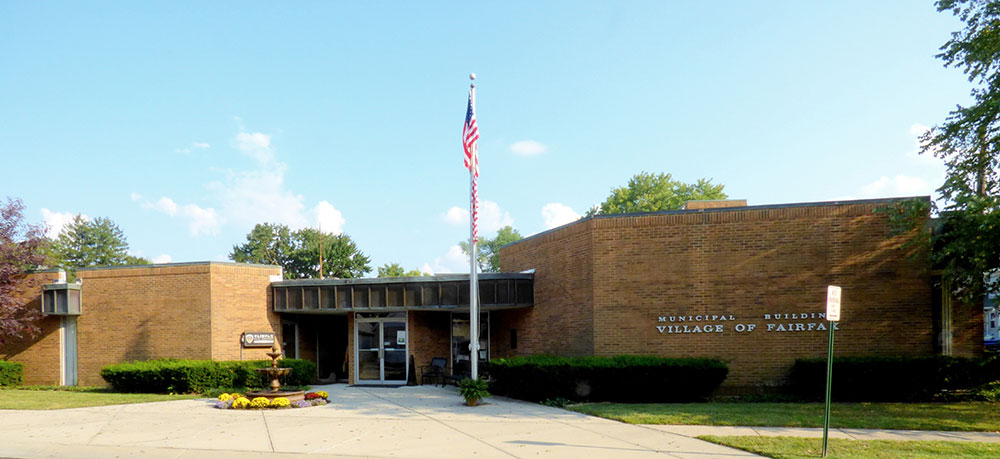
[(892, 379), (11, 373), (184, 376), (623, 378)]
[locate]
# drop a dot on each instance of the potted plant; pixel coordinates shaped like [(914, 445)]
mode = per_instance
[(473, 390)]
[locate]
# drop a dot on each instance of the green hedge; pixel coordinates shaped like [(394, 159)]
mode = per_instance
[(622, 378), (891, 379), (184, 376), (11, 373)]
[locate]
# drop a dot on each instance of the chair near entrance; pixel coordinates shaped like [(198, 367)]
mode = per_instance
[(437, 370)]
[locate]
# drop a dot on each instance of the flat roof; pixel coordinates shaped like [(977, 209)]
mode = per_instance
[(725, 209), (184, 263), (442, 292), (361, 281)]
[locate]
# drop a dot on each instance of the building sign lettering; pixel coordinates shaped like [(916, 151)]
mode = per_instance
[(258, 339), (773, 323)]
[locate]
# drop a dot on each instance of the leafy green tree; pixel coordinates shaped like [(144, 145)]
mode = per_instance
[(22, 247), (648, 192), (98, 242), (341, 257), (488, 250), (298, 252), (967, 241), (267, 244), (396, 270), (391, 270)]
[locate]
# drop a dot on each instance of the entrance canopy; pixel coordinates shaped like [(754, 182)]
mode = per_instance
[(444, 292)]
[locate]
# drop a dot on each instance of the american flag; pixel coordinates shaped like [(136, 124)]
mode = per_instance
[(470, 138)]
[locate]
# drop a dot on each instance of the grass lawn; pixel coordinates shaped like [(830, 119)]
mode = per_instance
[(969, 416), (788, 447), (34, 399)]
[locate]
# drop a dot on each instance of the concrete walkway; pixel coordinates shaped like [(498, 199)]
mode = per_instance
[(850, 434), (405, 422)]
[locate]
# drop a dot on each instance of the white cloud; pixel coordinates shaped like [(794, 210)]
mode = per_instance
[(900, 185), (256, 196), (329, 218), (914, 174), (56, 221), (196, 145), (918, 130), (491, 217), (528, 148), (558, 214), (250, 195), (456, 216), (165, 205), (200, 220), (453, 261), (255, 145), (162, 259)]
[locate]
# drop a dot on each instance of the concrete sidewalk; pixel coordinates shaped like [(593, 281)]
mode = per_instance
[(405, 422), (850, 434)]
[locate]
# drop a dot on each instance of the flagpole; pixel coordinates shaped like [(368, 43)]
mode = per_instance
[(473, 277)]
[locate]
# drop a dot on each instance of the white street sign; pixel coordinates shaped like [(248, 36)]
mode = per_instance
[(833, 303)]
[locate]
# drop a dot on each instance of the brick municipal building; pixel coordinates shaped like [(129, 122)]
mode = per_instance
[(720, 279)]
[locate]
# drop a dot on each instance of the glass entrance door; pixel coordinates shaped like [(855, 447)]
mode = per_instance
[(381, 348)]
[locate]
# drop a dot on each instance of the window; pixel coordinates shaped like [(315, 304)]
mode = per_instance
[(460, 355), (289, 340)]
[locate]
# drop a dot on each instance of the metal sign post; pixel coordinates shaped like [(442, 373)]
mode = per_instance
[(832, 315)]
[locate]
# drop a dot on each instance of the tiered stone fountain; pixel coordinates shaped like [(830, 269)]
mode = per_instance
[(274, 373)]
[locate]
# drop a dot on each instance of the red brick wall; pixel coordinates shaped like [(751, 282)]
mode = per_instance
[(429, 336), (241, 302), (190, 311), (40, 354), (350, 349), (501, 323), (966, 330), (562, 320), (141, 313), (743, 263)]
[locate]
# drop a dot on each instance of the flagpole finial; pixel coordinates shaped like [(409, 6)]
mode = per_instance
[(472, 76)]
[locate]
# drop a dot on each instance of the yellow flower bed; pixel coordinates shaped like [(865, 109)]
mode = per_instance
[(259, 402), (323, 394), (241, 403), (225, 397), (280, 402)]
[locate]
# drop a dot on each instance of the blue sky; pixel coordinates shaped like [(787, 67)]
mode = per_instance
[(188, 122)]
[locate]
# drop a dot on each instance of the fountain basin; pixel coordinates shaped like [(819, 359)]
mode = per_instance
[(273, 373), (292, 396)]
